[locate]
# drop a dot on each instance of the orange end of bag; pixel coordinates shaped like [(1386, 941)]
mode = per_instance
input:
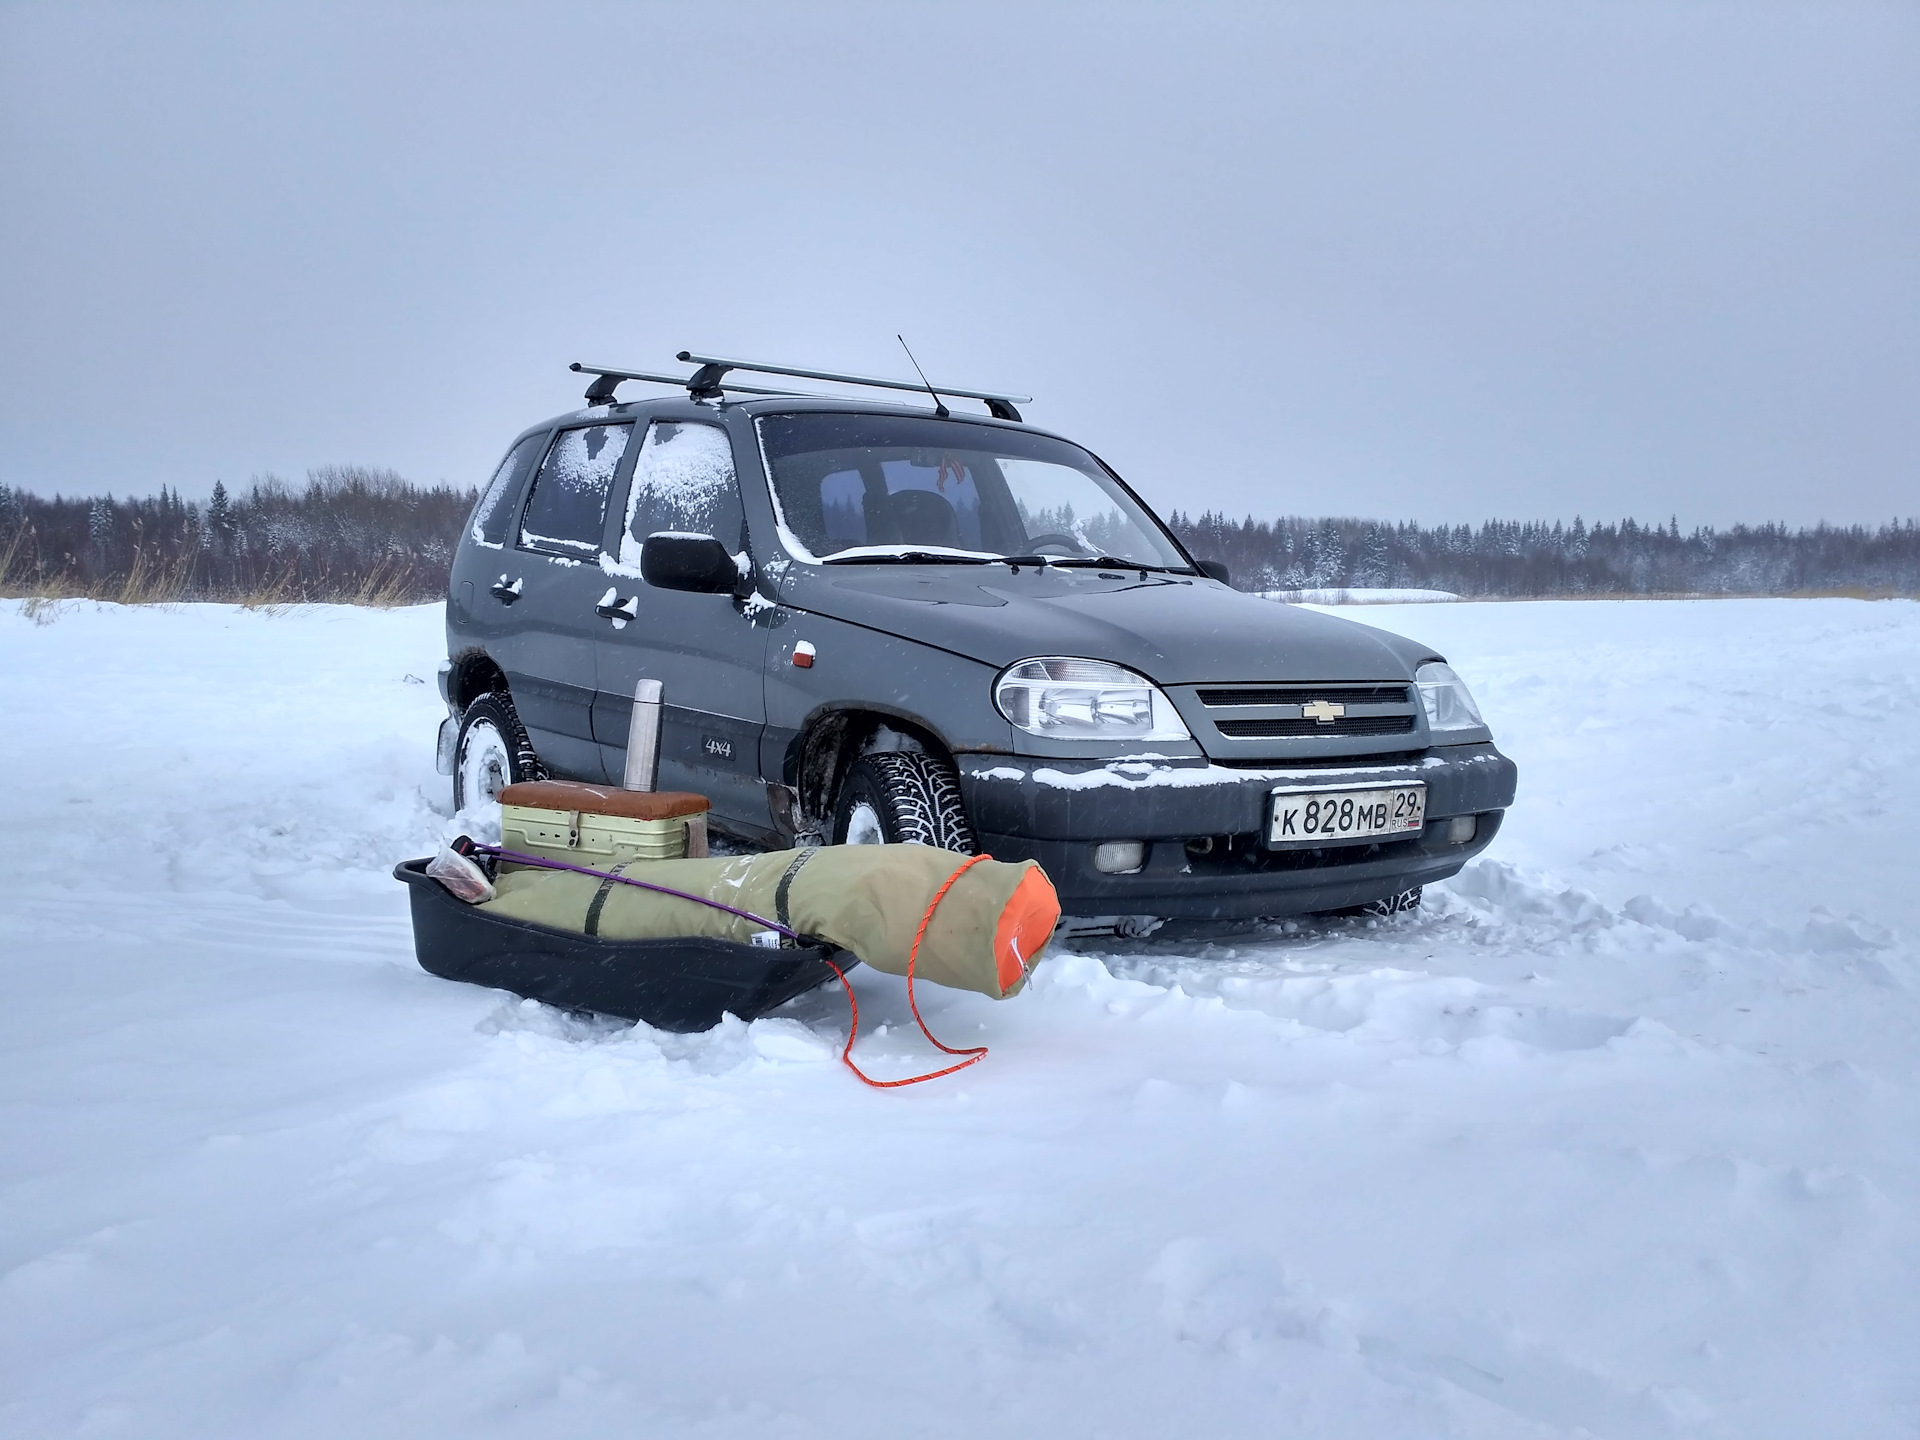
[(1025, 925)]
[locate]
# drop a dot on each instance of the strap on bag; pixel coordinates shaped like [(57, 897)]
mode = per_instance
[(599, 901), (782, 894)]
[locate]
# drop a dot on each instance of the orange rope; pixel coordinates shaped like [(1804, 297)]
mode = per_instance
[(974, 1053)]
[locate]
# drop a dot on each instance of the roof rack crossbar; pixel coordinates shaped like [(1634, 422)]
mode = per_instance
[(709, 381), (600, 392), (714, 367)]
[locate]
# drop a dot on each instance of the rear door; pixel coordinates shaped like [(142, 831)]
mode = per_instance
[(704, 649), (487, 581), (550, 661)]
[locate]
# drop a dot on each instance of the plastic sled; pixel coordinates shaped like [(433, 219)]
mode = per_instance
[(684, 984)]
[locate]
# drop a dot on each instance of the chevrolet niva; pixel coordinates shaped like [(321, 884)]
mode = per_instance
[(887, 622)]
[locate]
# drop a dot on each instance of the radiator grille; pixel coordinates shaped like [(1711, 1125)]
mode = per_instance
[(1345, 725), (1381, 759), (1302, 712), (1215, 699)]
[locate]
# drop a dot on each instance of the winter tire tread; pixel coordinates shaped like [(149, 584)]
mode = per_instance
[(497, 705), (918, 795)]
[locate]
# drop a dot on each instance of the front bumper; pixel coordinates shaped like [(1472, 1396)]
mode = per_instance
[(1056, 811)]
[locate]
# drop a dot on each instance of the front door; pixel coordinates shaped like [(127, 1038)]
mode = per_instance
[(704, 649), (551, 662)]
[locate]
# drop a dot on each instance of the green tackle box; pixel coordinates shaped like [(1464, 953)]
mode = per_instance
[(599, 826)]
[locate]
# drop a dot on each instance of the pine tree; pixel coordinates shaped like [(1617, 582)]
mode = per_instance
[(220, 512), (100, 529)]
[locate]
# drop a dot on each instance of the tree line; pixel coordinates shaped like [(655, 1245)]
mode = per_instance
[(1502, 558), (349, 534), (369, 536)]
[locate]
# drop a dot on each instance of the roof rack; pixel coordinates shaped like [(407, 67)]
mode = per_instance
[(600, 392), (709, 382)]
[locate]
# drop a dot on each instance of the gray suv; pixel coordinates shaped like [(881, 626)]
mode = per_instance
[(890, 622)]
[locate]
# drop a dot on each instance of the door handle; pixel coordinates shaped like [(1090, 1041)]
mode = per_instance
[(616, 610), (503, 592)]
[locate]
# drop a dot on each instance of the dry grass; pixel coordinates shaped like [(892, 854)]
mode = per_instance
[(149, 582), (11, 553), (273, 595), (13, 557), (57, 586), (24, 577), (384, 587)]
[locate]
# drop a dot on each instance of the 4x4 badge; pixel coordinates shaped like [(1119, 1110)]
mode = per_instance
[(1325, 711)]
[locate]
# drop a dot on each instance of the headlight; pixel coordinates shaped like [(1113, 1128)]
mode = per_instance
[(1444, 694), (1064, 699)]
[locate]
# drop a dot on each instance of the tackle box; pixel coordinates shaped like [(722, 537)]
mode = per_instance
[(600, 826)]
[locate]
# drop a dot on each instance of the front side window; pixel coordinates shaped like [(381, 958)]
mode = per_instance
[(493, 516), (856, 486), (683, 481), (567, 510)]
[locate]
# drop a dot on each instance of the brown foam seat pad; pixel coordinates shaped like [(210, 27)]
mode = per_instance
[(604, 799)]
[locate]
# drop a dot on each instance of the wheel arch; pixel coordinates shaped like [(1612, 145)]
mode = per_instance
[(474, 673), (833, 736)]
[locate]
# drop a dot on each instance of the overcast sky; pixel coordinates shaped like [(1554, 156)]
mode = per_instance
[(1424, 261)]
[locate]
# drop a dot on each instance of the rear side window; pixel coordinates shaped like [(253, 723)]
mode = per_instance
[(567, 510), (493, 516), (683, 481)]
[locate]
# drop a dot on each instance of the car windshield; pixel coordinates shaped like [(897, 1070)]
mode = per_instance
[(874, 487)]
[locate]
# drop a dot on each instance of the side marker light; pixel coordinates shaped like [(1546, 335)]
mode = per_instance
[(803, 654)]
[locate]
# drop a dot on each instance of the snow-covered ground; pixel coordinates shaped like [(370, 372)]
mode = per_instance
[(1619, 1136)]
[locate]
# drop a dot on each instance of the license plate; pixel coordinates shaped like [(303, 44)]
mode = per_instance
[(1342, 817)]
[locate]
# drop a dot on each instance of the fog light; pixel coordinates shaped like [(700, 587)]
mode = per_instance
[(1461, 829), (1119, 857)]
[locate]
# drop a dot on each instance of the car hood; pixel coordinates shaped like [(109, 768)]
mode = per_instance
[(1176, 630)]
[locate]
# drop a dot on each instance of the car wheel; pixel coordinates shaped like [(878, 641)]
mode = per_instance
[(901, 797), (492, 752), (1397, 904)]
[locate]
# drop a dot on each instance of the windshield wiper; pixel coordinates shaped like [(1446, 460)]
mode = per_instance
[(1110, 562), (909, 557)]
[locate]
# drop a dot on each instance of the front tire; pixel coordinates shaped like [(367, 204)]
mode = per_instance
[(902, 797), (1400, 904), (1397, 904), (491, 753)]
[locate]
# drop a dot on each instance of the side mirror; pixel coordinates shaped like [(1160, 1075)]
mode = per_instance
[(698, 563), (1211, 568)]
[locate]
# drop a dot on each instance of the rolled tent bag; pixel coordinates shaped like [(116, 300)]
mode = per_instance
[(983, 935)]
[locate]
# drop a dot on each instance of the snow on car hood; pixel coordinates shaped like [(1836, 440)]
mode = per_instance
[(1173, 629)]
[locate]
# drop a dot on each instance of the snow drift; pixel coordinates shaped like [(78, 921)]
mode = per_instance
[(1619, 1136)]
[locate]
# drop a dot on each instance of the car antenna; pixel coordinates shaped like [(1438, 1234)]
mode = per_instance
[(939, 405)]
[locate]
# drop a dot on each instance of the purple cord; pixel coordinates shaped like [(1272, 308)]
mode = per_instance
[(519, 859)]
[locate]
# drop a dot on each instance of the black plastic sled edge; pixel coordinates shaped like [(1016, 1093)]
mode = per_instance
[(685, 983)]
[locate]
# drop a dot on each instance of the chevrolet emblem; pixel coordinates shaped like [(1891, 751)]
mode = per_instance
[(1325, 711)]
